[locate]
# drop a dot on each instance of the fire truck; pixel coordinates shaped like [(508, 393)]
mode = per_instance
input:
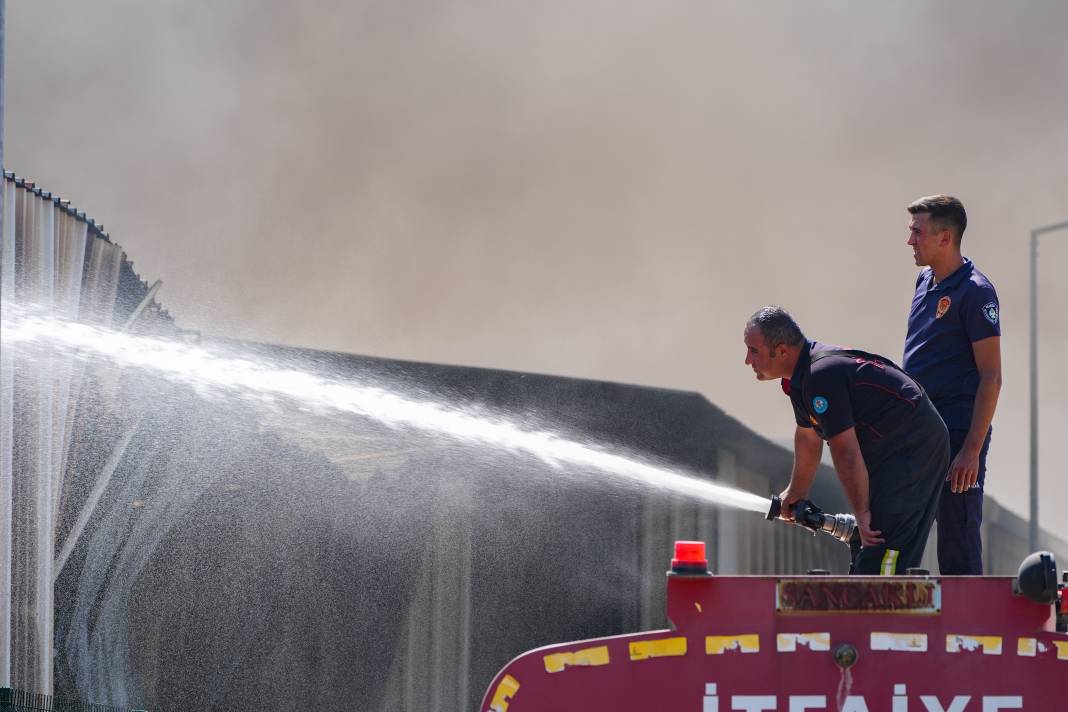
[(816, 642)]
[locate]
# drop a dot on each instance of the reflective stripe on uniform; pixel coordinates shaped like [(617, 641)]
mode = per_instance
[(889, 564)]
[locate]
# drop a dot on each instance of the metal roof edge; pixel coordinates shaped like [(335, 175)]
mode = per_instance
[(97, 229)]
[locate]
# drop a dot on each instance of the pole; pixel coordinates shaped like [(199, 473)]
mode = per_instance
[(1033, 529), (6, 403), (1032, 536)]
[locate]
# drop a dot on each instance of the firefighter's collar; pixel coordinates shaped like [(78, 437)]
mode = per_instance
[(958, 276)]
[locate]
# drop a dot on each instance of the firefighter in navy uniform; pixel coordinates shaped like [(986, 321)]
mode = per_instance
[(889, 445), (953, 347)]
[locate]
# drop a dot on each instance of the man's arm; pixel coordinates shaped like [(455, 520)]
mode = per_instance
[(808, 449), (964, 470), (853, 474)]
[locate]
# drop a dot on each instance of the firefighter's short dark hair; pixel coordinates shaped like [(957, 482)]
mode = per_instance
[(945, 211)]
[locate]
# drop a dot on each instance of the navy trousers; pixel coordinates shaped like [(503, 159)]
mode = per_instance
[(960, 516), (905, 471)]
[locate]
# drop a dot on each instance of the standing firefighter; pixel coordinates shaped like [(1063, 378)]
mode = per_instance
[(953, 347), (889, 445)]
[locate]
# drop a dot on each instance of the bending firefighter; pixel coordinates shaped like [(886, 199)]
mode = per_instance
[(889, 446)]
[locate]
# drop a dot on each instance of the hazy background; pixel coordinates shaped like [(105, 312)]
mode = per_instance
[(597, 189)]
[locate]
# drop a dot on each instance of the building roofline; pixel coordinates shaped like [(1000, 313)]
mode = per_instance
[(97, 229)]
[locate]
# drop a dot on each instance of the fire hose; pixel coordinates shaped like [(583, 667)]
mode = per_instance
[(808, 515)]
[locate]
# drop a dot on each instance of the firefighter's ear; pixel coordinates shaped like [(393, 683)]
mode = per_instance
[(945, 237)]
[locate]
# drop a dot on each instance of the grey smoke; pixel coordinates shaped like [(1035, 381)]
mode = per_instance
[(602, 190)]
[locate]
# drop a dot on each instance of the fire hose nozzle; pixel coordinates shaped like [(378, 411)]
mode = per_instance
[(808, 515)]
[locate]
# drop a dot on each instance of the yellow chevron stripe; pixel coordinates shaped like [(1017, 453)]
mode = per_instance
[(660, 648), (989, 644), (587, 656), (506, 690), (719, 644)]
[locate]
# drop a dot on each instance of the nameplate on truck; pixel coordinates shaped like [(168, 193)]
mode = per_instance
[(857, 595)]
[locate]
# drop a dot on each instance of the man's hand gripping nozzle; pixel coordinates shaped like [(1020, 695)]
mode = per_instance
[(808, 515)]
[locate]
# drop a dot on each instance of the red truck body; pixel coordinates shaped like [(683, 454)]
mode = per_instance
[(797, 643)]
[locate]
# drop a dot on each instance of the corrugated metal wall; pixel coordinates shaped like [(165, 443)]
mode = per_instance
[(57, 260)]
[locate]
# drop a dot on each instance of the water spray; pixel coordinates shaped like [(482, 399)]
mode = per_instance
[(808, 515), (209, 372)]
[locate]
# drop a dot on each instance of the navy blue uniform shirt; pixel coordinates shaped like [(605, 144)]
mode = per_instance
[(839, 392), (945, 320)]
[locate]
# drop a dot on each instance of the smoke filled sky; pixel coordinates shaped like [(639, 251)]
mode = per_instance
[(599, 189)]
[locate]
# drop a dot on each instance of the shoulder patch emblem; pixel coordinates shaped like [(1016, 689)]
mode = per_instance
[(990, 311), (943, 306), (819, 404)]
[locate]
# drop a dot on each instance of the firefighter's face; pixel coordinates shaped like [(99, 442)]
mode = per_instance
[(927, 240), (767, 362)]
